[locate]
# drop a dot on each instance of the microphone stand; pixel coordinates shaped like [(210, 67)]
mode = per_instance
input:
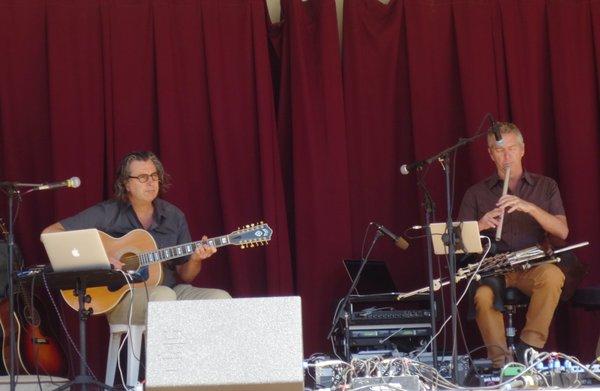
[(12, 191), (429, 205), (452, 267), (341, 308), (443, 158)]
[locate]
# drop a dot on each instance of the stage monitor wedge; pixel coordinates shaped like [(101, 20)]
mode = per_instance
[(225, 345)]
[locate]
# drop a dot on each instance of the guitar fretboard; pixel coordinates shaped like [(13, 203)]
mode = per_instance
[(182, 250)]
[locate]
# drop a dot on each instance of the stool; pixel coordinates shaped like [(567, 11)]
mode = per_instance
[(134, 348), (513, 299), (589, 299)]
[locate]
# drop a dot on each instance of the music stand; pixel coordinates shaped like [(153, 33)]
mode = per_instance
[(467, 237), (79, 281)]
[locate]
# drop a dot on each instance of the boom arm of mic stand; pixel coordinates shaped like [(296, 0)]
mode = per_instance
[(15, 185), (340, 309)]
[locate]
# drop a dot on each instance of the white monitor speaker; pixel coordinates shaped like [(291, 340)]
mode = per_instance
[(225, 345)]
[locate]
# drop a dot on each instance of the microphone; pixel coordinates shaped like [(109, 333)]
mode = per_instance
[(71, 182), (406, 169), (496, 130), (398, 240)]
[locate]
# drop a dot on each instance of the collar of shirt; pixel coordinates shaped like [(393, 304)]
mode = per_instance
[(159, 211), (494, 179)]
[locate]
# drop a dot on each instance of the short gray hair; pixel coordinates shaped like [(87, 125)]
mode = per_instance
[(505, 128)]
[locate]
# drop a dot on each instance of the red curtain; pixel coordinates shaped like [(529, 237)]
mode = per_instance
[(85, 82), (312, 129), (305, 135), (439, 66)]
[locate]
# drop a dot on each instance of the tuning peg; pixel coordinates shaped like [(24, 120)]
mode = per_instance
[(243, 246), (262, 222), (246, 226)]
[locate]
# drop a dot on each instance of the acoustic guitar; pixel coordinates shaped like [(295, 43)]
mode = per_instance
[(40, 351), (5, 326), (5, 337), (138, 252)]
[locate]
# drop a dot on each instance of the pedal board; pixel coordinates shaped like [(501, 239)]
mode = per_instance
[(385, 383)]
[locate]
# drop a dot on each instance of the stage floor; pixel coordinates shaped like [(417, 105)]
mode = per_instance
[(32, 383)]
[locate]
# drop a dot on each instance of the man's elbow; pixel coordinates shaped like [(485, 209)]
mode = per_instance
[(186, 275), (56, 227), (562, 231), (186, 279)]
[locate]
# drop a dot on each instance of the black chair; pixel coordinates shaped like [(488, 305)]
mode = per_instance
[(513, 300), (589, 299)]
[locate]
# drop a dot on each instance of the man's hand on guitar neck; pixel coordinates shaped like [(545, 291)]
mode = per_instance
[(204, 251), (189, 270)]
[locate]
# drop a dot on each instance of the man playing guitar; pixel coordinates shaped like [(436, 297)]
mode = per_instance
[(140, 181)]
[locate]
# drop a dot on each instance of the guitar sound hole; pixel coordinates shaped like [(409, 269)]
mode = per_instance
[(131, 262), (31, 317)]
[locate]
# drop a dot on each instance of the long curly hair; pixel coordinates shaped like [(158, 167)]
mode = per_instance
[(124, 171)]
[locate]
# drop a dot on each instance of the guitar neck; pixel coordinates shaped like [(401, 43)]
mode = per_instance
[(182, 250)]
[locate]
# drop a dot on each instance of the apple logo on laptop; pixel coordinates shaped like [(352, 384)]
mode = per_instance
[(75, 252)]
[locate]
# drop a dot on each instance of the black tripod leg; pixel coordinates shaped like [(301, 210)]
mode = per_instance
[(85, 380)]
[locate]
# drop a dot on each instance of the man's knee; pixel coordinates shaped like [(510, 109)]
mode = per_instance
[(484, 298), (550, 275), (162, 293), (189, 292), (219, 294)]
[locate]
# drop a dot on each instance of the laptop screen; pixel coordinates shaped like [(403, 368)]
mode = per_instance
[(375, 277)]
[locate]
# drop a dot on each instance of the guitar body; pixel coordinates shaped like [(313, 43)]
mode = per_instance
[(138, 252), (41, 353), (126, 248), (5, 325)]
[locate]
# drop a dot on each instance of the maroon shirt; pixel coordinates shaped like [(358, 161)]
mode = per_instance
[(519, 230)]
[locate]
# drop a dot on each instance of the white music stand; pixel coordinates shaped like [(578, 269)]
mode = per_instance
[(467, 237)]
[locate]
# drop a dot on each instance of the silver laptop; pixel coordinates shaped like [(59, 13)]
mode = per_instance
[(467, 234), (72, 251)]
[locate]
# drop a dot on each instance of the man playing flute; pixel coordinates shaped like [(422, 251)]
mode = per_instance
[(530, 212)]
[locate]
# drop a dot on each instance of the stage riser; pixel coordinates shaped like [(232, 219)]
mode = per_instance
[(236, 344)]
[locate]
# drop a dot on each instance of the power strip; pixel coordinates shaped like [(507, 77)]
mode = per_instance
[(405, 382)]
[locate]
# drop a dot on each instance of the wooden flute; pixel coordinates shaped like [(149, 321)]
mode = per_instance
[(504, 192)]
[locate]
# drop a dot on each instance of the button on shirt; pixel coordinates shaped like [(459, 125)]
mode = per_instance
[(519, 229), (117, 218)]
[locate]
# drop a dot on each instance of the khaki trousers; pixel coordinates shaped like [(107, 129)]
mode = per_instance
[(138, 302), (543, 284)]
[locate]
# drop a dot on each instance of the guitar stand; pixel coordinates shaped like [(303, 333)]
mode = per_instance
[(80, 281)]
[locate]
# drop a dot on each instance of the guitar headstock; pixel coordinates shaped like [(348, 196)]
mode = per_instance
[(251, 235), (3, 230)]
